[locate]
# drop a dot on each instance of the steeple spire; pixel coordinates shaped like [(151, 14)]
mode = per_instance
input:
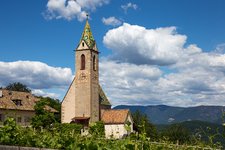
[(87, 35)]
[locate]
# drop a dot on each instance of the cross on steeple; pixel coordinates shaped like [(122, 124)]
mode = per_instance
[(87, 15)]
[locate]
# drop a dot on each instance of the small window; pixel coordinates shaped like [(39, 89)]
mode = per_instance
[(83, 44), (27, 119), (82, 62), (94, 63), (17, 102), (27, 96), (19, 119)]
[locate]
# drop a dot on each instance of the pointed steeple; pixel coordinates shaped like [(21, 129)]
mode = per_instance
[(87, 35)]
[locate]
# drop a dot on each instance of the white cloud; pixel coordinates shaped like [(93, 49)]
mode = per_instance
[(70, 9), (39, 92), (124, 81), (129, 6), (220, 48), (111, 21), (136, 44), (92, 4), (189, 76), (36, 75)]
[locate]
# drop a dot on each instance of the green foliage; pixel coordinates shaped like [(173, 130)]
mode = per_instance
[(66, 136), (10, 132), (54, 103), (144, 126), (43, 118), (97, 129), (128, 126), (177, 134), (17, 86), (223, 122), (67, 128)]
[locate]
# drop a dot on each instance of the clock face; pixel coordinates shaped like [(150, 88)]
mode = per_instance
[(82, 77)]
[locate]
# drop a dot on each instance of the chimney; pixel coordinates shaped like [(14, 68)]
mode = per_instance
[(1, 95)]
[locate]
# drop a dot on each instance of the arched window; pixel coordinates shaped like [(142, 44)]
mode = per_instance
[(94, 63), (82, 67)]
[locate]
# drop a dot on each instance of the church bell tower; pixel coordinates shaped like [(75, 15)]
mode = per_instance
[(86, 80), (85, 100)]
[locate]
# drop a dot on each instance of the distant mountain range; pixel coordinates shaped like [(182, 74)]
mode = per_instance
[(162, 114)]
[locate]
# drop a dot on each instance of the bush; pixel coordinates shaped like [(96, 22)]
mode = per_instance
[(10, 133), (97, 129)]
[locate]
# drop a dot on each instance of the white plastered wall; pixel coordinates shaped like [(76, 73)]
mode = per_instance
[(68, 105)]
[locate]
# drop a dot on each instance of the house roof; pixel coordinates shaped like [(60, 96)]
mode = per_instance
[(115, 116), (26, 100), (80, 118)]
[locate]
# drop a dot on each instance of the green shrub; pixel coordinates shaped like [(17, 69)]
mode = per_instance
[(97, 129)]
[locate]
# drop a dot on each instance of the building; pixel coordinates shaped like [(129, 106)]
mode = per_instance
[(85, 102), (85, 98), (18, 105), (118, 123)]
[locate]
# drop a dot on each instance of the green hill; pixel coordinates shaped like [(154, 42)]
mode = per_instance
[(205, 131), (162, 114)]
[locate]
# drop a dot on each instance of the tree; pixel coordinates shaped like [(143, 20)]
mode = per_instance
[(43, 118), (177, 134), (17, 86), (54, 103), (143, 125)]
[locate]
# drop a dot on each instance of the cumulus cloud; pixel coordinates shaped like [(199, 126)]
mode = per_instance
[(124, 81), (39, 92), (36, 75), (127, 83), (111, 21), (129, 6), (187, 75), (220, 48), (136, 44), (70, 9)]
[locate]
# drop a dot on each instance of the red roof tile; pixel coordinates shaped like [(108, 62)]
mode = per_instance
[(115, 116), (28, 101)]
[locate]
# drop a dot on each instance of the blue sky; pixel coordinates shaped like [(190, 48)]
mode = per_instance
[(152, 52)]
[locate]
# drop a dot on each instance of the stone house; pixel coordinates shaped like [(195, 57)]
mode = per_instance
[(118, 123), (18, 105)]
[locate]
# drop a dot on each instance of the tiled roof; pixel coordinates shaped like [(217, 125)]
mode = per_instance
[(28, 101), (115, 116), (48, 108), (80, 118), (87, 36)]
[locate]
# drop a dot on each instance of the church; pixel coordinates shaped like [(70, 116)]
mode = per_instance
[(85, 101)]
